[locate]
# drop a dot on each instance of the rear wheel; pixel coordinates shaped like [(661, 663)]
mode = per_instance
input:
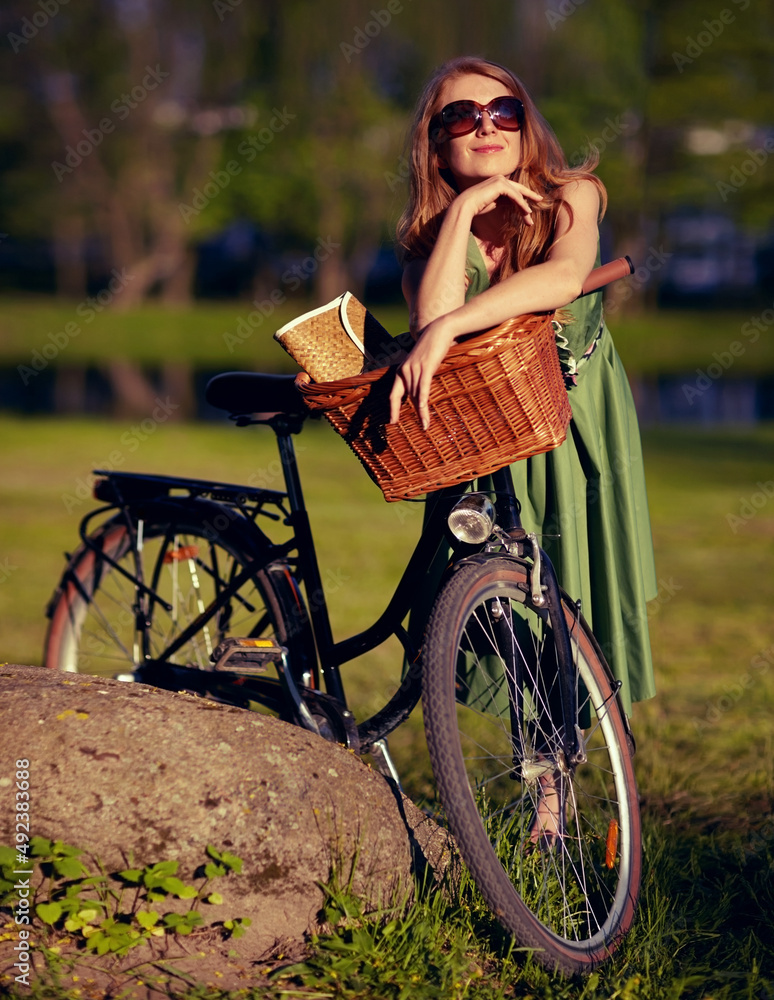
[(553, 846), (103, 621)]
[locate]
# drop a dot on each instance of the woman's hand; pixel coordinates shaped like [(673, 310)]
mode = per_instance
[(414, 376), (481, 198)]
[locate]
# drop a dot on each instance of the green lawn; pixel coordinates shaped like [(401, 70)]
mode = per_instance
[(705, 761), (713, 520), (215, 334)]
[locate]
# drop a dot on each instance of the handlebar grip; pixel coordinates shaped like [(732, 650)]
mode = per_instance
[(622, 267)]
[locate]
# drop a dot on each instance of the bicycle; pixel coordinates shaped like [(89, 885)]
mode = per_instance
[(176, 584)]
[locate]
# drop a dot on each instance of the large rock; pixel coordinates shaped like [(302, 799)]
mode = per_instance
[(135, 775)]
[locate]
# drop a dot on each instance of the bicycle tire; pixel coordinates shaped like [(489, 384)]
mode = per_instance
[(573, 900), (187, 554)]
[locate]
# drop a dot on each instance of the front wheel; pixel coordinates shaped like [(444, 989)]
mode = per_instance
[(553, 845)]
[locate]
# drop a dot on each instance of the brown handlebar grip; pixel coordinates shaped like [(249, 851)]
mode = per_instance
[(622, 267)]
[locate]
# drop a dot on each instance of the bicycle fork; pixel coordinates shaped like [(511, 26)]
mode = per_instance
[(555, 653)]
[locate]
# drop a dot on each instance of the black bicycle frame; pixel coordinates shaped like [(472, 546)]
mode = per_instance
[(333, 654)]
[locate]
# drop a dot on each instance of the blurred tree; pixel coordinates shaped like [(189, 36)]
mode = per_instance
[(136, 98), (676, 98), (130, 130)]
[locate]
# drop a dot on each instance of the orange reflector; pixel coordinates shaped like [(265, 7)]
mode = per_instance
[(184, 552), (611, 843)]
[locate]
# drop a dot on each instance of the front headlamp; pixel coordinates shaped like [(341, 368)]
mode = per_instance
[(472, 519)]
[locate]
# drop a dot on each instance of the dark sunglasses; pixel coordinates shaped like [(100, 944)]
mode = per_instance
[(462, 117)]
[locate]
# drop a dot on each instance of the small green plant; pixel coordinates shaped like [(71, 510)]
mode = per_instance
[(111, 913), (401, 952)]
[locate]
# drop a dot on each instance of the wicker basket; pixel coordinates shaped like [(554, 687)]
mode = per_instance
[(499, 396)]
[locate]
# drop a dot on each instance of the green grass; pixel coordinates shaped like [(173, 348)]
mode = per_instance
[(705, 758), (206, 334)]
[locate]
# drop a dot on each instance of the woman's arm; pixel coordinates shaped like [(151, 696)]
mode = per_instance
[(436, 286), (540, 288)]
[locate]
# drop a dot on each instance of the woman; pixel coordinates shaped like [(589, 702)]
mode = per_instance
[(498, 225)]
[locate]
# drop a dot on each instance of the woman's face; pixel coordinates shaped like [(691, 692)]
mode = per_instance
[(487, 151)]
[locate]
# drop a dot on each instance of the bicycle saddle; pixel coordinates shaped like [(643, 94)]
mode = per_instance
[(241, 393)]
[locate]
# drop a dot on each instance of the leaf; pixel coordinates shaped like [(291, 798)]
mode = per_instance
[(178, 888), (67, 849), (69, 867), (131, 875), (147, 918), (164, 868), (155, 876), (41, 847), (71, 905), (215, 898), (233, 862), (214, 871), (49, 913), (237, 926), (7, 857)]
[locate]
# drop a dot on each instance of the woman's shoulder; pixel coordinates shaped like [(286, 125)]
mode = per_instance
[(579, 190)]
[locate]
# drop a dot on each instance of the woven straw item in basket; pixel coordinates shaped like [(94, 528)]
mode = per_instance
[(499, 396), (339, 340)]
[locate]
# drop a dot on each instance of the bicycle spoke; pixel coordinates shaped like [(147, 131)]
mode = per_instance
[(532, 825), (127, 603)]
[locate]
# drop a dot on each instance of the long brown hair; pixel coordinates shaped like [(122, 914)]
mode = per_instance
[(542, 167)]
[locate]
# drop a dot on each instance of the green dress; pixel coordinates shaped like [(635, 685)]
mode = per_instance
[(586, 499)]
